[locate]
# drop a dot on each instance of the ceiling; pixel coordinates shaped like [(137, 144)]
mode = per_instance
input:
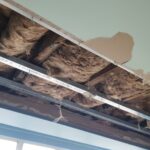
[(66, 67), (88, 19)]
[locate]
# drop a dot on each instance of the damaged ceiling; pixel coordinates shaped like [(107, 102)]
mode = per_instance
[(103, 19), (29, 41)]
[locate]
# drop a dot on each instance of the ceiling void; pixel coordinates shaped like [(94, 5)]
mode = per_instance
[(46, 61)]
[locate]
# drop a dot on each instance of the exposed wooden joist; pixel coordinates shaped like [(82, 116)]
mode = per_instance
[(138, 97), (97, 77)]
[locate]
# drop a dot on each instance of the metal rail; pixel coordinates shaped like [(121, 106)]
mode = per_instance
[(99, 115), (41, 73)]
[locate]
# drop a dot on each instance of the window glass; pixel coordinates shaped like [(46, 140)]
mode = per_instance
[(7, 145), (35, 147)]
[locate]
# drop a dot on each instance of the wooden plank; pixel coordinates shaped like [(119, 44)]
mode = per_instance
[(49, 111), (97, 78)]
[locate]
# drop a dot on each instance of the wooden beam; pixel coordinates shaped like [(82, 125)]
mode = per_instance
[(35, 107), (95, 79)]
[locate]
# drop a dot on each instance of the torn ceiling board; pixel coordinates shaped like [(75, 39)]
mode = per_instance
[(102, 18)]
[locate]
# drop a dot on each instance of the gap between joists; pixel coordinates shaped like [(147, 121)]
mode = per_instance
[(41, 73)]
